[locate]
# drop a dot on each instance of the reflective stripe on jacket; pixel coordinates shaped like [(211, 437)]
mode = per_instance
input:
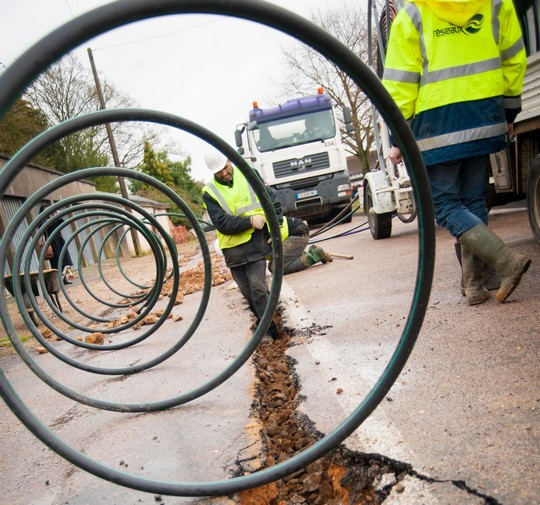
[(236, 200), (455, 69)]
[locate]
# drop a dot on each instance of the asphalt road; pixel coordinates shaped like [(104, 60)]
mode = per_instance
[(465, 411), (463, 415)]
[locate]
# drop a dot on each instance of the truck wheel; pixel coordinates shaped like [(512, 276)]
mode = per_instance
[(380, 225), (533, 197)]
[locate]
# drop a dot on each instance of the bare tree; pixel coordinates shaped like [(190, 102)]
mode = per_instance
[(311, 69), (66, 90)]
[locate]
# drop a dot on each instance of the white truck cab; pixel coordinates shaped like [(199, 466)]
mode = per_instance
[(296, 148)]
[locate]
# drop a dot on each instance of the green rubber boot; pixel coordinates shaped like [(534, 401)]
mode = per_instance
[(473, 278), (316, 254), (491, 279), (324, 256), (509, 265)]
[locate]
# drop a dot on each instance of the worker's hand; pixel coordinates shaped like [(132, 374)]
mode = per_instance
[(395, 155), (257, 221), (511, 135)]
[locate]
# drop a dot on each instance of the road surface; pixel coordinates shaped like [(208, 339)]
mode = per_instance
[(462, 417)]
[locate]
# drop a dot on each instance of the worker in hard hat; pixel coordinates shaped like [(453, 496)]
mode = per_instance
[(243, 236), (239, 219)]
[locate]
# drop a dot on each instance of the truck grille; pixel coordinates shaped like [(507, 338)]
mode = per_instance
[(295, 166), (304, 184)]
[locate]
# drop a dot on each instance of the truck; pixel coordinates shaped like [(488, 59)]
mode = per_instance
[(297, 150), (523, 158), (515, 172)]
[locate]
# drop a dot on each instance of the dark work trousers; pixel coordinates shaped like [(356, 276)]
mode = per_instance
[(58, 244), (251, 280), (293, 249), (56, 258)]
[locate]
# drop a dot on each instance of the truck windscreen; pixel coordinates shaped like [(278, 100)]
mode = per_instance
[(294, 130)]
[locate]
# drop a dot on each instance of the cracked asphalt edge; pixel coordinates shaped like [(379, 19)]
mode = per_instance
[(304, 329)]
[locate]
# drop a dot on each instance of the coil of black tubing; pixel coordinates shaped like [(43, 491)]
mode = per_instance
[(114, 213), (66, 337), (118, 256), (99, 225), (108, 116), (116, 14)]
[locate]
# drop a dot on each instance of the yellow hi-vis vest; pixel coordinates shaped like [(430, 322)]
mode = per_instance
[(238, 200), (284, 229), (455, 69)]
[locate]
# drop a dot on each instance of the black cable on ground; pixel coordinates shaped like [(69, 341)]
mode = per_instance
[(356, 229), (344, 214)]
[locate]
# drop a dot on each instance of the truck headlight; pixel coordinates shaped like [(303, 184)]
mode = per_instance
[(344, 187)]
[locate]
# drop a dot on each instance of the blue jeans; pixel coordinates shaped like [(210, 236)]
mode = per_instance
[(458, 189)]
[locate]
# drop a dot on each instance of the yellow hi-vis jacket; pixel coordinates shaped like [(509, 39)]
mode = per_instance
[(237, 200), (455, 69)]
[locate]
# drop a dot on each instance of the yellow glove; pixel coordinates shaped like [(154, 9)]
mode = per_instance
[(257, 221)]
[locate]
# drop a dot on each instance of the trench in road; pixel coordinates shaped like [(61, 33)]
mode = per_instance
[(342, 476)]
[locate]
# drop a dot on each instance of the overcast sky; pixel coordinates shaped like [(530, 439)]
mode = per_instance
[(208, 69)]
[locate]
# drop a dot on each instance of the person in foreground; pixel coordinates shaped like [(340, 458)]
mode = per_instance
[(455, 69)]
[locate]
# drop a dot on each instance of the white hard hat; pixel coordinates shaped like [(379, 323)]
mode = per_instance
[(215, 161)]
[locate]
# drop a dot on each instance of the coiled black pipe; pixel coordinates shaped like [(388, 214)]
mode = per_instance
[(113, 213), (36, 59), (136, 115)]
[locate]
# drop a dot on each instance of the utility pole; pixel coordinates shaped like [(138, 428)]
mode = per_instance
[(112, 143)]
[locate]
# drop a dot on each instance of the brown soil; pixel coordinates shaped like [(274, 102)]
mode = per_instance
[(340, 478)]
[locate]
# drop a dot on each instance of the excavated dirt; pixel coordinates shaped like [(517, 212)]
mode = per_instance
[(342, 477)]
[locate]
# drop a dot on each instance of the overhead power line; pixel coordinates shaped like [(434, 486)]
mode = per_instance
[(69, 9), (145, 39)]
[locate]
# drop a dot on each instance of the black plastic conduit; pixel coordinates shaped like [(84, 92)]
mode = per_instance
[(116, 14)]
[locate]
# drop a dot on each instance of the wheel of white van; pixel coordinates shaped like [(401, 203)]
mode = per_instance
[(380, 225), (533, 197)]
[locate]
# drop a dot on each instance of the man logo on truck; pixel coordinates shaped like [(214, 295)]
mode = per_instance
[(301, 165)]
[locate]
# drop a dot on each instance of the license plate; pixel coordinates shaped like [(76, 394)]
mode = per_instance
[(306, 194)]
